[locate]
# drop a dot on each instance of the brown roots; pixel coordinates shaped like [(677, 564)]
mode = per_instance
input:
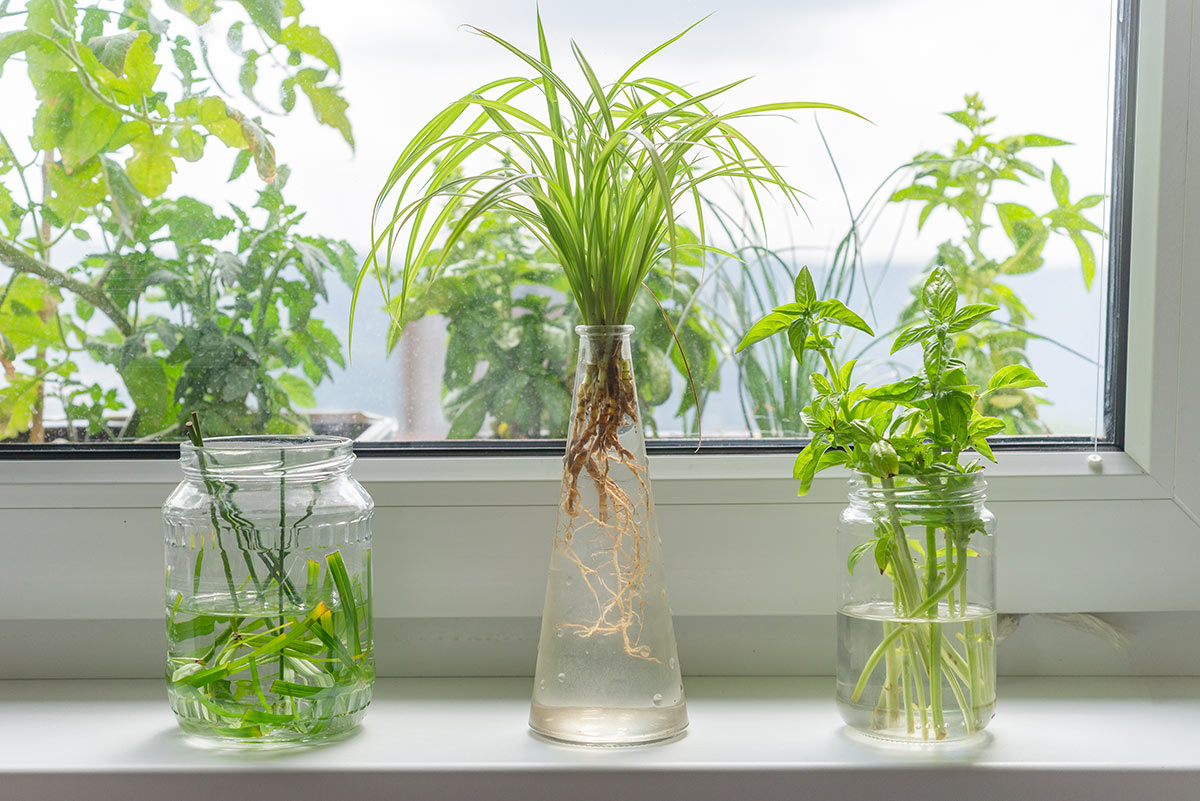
[(607, 404)]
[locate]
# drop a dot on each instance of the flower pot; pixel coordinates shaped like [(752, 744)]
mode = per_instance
[(607, 669), (917, 617), (268, 590)]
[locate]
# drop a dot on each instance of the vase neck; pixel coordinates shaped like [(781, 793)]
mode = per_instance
[(604, 333)]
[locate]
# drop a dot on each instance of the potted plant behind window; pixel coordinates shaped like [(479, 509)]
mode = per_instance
[(598, 178), (917, 615)]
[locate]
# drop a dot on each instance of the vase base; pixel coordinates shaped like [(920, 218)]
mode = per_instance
[(608, 726)]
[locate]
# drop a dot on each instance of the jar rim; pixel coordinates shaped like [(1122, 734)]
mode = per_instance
[(931, 487), (267, 457)]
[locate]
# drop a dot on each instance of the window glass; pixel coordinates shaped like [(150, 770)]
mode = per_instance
[(186, 193)]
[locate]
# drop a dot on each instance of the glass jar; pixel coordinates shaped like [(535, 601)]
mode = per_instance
[(917, 615), (268, 590)]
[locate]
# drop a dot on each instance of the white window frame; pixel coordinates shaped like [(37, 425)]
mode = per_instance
[(468, 536)]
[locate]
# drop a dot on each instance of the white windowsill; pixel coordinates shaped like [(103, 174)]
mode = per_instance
[(1110, 738)]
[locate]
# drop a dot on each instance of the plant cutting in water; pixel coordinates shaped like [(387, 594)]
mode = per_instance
[(252, 654), (907, 441), (598, 178)]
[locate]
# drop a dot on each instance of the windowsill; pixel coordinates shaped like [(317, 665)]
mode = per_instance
[(1096, 738)]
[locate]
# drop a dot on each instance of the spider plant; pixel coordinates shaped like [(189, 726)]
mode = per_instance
[(600, 177)]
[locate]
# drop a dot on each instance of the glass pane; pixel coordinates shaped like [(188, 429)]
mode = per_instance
[(140, 281)]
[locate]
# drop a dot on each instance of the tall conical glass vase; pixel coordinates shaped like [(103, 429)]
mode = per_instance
[(607, 669)]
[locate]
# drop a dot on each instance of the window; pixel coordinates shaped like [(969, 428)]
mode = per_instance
[(462, 539), (232, 296)]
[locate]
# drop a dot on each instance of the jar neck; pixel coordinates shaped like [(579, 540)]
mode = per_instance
[(267, 459), (597, 334), (925, 491)]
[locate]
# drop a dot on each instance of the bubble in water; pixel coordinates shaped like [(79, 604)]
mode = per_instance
[(561, 677), (542, 684), (558, 633), (657, 699), (672, 662), (570, 581)]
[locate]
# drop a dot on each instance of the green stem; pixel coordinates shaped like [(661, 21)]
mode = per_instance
[(20, 261), (916, 666), (930, 602)]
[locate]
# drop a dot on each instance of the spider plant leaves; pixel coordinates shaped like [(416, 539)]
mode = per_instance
[(599, 177)]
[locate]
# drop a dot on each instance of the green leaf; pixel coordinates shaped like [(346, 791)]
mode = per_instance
[(266, 14), (1014, 376), (934, 356), (328, 105), (654, 382), (955, 408), (124, 199), (240, 163), (111, 51), (13, 42), (904, 391), (1039, 140), (773, 323), (857, 553), (199, 11), (469, 420), (1087, 257), (309, 39), (910, 336), (939, 296), (883, 552), (969, 315), (983, 448), (805, 467), (1060, 185), (233, 37), (833, 310), (806, 292), (299, 391), (982, 426), (151, 391), (140, 67), (248, 74), (287, 94), (90, 133), (190, 144), (219, 119), (797, 335), (846, 372)]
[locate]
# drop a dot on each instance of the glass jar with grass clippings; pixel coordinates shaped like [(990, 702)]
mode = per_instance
[(917, 615), (268, 590)]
